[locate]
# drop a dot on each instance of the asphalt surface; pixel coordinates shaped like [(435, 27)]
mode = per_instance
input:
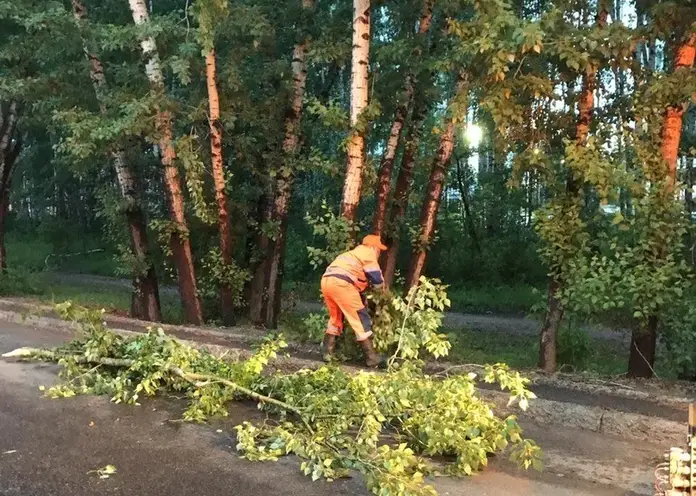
[(53, 447)]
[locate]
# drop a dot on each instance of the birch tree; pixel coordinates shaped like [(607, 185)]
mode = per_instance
[(180, 243), (285, 177), (145, 302), (359, 93)]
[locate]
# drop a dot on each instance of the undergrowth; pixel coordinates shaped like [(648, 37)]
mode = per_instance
[(387, 426)]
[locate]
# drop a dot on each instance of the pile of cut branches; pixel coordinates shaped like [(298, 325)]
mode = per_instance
[(386, 426)]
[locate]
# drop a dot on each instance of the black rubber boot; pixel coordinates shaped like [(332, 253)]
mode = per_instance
[(372, 358), (329, 347)]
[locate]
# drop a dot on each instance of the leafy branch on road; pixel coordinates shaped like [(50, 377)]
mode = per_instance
[(383, 425)]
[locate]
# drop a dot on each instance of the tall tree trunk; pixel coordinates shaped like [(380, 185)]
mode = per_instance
[(359, 92), (672, 126), (387, 163), (402, 191), (285, 179), (10, 146), (4, 212), (224, 228), (259, 282), (180, 243), (643, 341), (470, 222), (436, 182), (145, 302), (554, 308), (643, 347)]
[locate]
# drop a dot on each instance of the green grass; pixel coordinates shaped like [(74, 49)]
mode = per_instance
[(522, 351), (517, 300), (37, 256), (508, 300), (112, 299)]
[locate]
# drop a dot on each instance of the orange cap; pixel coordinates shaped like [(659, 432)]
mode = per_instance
[(374, 241)]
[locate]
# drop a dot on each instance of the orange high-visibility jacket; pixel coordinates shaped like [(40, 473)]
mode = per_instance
[(358, 266)]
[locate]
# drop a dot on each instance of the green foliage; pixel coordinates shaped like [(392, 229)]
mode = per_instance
[(405, 325), (337, 234), (216, 273), (188, 155), (15, 282), (115, 232), (680, 339), (334, 421), (349, 414), (573, 348)]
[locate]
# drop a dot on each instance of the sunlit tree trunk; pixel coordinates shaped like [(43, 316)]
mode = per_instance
[(284, 180), (644, 341), (672, 126), (436, 182), (224, 228), (359, 90), (145, 303), (180, 244), (387, 163), (10, 146), (554, 307)]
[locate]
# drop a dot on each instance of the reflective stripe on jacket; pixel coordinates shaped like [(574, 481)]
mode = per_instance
[(358, 266)]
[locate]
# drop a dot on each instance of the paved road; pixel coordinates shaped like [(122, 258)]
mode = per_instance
[(48, 448)]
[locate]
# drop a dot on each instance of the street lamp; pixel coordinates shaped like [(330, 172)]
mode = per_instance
[(474, 135)]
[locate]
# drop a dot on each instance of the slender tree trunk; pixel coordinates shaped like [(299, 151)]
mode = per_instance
[(436, 182), (471, 224), (224, 228), (259, 281), (387, 163), (359, 92), (402, 190), (643, 346), (554, 309), (10, 146), (549, 329), (285, 180), (4, 212), (180, 244), (145, 302), (643, 341)]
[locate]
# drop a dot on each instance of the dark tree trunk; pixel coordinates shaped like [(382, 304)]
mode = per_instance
[(145, 302), (10, 146), (555, 310), (284, 182), (259, 282), (436, 183), (643, 346), (404, 182), (549, 329), (387, 163), (470, 222), (4, 211), (431, 206)]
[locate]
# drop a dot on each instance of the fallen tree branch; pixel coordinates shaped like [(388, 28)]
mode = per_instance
[(193, 378)]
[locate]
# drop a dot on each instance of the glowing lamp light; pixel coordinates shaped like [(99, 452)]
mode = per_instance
[(474, 135)]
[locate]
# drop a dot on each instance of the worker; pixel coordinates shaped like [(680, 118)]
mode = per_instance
[(342, 285)]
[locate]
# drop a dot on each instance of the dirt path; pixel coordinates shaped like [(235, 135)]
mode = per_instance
[(453, 320)]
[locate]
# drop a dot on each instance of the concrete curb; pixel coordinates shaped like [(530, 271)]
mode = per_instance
[(235, 344)]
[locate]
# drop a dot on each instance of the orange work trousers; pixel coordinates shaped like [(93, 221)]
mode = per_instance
[(342, 298)]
